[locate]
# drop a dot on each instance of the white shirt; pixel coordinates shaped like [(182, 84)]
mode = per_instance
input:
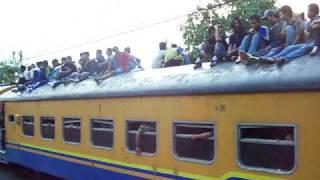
[(26, 75), (158, 60)]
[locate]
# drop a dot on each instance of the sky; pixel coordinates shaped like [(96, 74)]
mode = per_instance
[(41, 27)]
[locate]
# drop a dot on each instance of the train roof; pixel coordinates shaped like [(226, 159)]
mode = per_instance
[(302, 74)]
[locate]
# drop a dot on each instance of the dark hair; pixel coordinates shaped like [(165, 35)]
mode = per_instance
[(99, 51), (211, 29), (314, 7), (39, 63), (174, 45), (163, 46), (109, 49), (23, 68), (55, 60), (286, 10), (232, 25), (115, 48), (127, 49), (254, 17)]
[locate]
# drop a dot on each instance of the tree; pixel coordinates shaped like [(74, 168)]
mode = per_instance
[(9, 69), (219, 12)]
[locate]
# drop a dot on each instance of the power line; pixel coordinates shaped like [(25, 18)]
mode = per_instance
[(131, 30)]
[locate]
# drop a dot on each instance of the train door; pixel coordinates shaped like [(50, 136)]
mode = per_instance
[(2, 133)]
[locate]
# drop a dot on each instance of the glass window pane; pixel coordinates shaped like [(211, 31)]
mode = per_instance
[(28, 125), (47, 127), (267, 147), (147, 136), (11, 118), (194, 141), (102, 133), (72, 130)]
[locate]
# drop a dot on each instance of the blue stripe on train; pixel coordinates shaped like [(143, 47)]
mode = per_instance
[(49, 165), (61, 168)]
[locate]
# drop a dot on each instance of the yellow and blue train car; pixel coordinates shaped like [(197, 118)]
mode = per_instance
[(263, 123)]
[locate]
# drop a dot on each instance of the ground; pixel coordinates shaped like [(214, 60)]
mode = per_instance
[(13, 172)]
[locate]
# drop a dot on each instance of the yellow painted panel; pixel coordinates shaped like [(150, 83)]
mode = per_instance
[(226, 111)]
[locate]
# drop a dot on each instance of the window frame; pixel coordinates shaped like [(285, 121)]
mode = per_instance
[(63, 131), (113, 130), (41, 135), (34, 129), (268, 170), (126, 136), (192, 160)]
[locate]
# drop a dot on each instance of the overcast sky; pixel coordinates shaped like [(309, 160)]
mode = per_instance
[(41, 26)]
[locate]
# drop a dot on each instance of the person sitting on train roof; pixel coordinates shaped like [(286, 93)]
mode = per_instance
[(133, 59), (315, 28), (312, 44), (88, 65), (55, 70), (102, 63), (258, 37), (276, 27), (120, 64), (88, 68), (24, 75), (202, 136), (39, 77), (62, 72), (238, 33), (139, 136), (67, 68), (109, 54), (47, 68), (214, 48), (159, 59), (28, 74), (172, 57), (293, 33)]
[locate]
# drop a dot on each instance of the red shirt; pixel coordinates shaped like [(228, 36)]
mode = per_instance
[(122, 60)]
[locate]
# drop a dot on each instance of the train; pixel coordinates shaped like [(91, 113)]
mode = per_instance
[(262, 120)]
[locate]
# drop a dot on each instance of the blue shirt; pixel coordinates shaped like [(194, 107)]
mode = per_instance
[(263, 31)]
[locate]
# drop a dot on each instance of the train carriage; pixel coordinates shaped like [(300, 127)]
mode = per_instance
[(263, 122)]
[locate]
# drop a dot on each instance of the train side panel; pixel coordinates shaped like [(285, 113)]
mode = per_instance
[(226, 112)]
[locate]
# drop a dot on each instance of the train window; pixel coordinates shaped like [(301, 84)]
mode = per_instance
[(11, 118), (267, 147), (72, 130), (47, 127), (194, 142), (101, 133), (141, 137), (28, 125)]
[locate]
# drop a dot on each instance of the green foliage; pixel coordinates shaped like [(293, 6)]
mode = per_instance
[(8, 71), (219, 12)]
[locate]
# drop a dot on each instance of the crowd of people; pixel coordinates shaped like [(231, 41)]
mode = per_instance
[(67, 70), (287, 37), (168, 57)]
